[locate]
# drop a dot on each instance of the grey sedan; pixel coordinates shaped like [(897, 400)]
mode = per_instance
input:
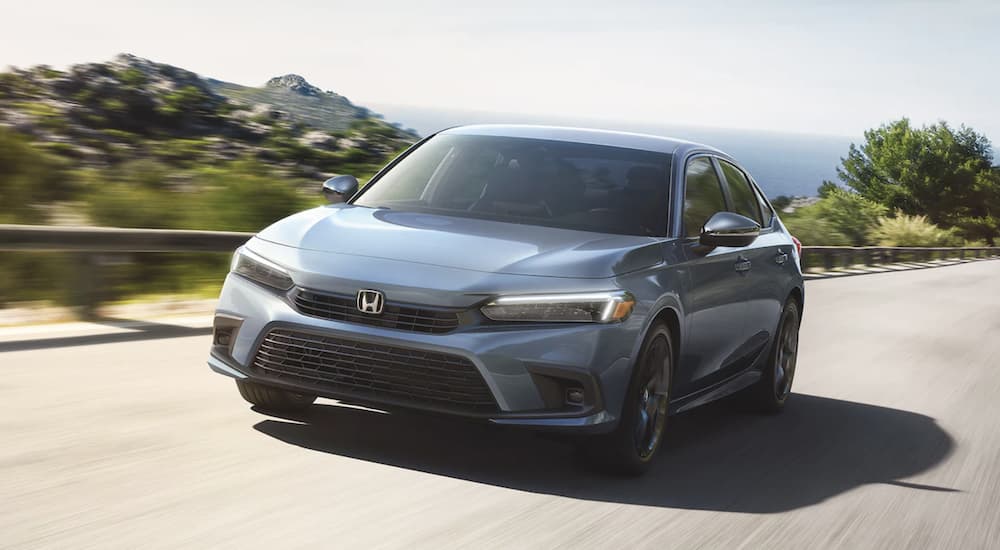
[(584, 281)]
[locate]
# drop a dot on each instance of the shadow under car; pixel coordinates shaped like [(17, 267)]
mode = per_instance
[(715, 458)]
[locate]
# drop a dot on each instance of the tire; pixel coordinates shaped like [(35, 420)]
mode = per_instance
[(631, 448), (775, 386), (273, 399)]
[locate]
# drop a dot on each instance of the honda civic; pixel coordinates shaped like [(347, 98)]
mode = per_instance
[(583, 281)]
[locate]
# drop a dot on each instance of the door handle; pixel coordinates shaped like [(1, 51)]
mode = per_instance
[(781, 257), (742, 264)]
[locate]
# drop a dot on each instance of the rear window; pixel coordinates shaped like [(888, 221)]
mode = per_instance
[(530, 181)]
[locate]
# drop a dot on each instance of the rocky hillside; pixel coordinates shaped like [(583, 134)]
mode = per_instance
[(326, 111), (104, 114)]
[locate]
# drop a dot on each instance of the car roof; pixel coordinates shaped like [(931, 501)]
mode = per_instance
[(611, 138)]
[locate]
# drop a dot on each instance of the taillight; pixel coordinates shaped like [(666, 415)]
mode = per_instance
[(798, 246)]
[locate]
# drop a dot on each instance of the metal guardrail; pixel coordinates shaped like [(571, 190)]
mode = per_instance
[(832, 257), (90, 242), (114, 239), (92, 247)]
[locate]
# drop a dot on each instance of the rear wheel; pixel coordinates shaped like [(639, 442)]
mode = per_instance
[(273, 399), (630, 449), (774, 387)]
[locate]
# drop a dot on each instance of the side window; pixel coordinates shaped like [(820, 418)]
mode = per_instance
[(702, 196), (765, 209), (744, 200)]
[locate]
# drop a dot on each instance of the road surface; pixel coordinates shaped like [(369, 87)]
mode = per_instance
[(123, 439)]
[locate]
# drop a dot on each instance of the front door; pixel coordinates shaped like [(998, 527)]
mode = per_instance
[(770, 261), (716, 282)]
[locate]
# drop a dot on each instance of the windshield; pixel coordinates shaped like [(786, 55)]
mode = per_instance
[(530, 181)]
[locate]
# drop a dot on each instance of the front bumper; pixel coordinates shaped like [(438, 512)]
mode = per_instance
[(527, 368)]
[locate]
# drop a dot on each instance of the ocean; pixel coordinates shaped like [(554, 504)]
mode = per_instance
[(782, 163)]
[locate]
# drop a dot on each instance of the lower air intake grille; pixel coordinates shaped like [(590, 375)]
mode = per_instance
[(344, 366)]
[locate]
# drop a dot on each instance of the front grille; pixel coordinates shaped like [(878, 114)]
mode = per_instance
[(362, 369), (344, 308)]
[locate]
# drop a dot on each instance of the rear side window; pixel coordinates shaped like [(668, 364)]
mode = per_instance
[(702, 195), (744, 200)]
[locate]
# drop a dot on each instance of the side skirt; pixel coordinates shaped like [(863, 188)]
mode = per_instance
[(723, 388)]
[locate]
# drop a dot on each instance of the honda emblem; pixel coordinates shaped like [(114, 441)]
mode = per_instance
[(370, 301)]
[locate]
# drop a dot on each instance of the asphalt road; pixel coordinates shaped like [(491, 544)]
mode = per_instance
[(125, 439)]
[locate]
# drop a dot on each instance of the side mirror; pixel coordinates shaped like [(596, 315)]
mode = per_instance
[(729, 229), (340, 188)]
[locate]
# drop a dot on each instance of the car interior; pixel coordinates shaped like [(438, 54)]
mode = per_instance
[(547, 184)]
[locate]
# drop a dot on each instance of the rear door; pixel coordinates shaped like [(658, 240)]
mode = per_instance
[(770, 257), (713, 298)]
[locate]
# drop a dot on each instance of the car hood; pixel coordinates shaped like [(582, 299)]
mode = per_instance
[(464, 243)]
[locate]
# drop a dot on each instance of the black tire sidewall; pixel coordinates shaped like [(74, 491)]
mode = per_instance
[(766, 391), (617, 451), (271, 398)]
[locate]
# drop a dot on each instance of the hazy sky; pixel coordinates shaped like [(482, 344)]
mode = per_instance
[(832, 66)]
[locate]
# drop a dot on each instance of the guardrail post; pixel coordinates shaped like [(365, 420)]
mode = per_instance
[(85, 290), (828, 259)]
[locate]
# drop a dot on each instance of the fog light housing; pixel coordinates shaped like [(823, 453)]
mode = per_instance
[(224, 330), (575, 396), (222, 336)]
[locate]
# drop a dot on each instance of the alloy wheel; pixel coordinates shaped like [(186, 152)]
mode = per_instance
[(652, 399), (788, 348)]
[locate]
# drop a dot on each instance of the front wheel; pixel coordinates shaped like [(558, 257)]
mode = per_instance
[(630, 449), (273, 399), (771, 393)]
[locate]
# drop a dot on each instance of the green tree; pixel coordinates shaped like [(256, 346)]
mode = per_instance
[(937, 171), (839, 218), (826, 188)]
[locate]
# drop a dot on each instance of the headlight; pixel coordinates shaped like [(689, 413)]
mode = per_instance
[(259, 270), (595, 307)]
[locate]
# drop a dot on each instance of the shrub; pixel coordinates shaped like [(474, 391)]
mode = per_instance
[(906, 230), (114, 105), (133, 194), (840, 218), (186, 101), (28, 179), (241, 196), (133, 77), (811, 230)]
